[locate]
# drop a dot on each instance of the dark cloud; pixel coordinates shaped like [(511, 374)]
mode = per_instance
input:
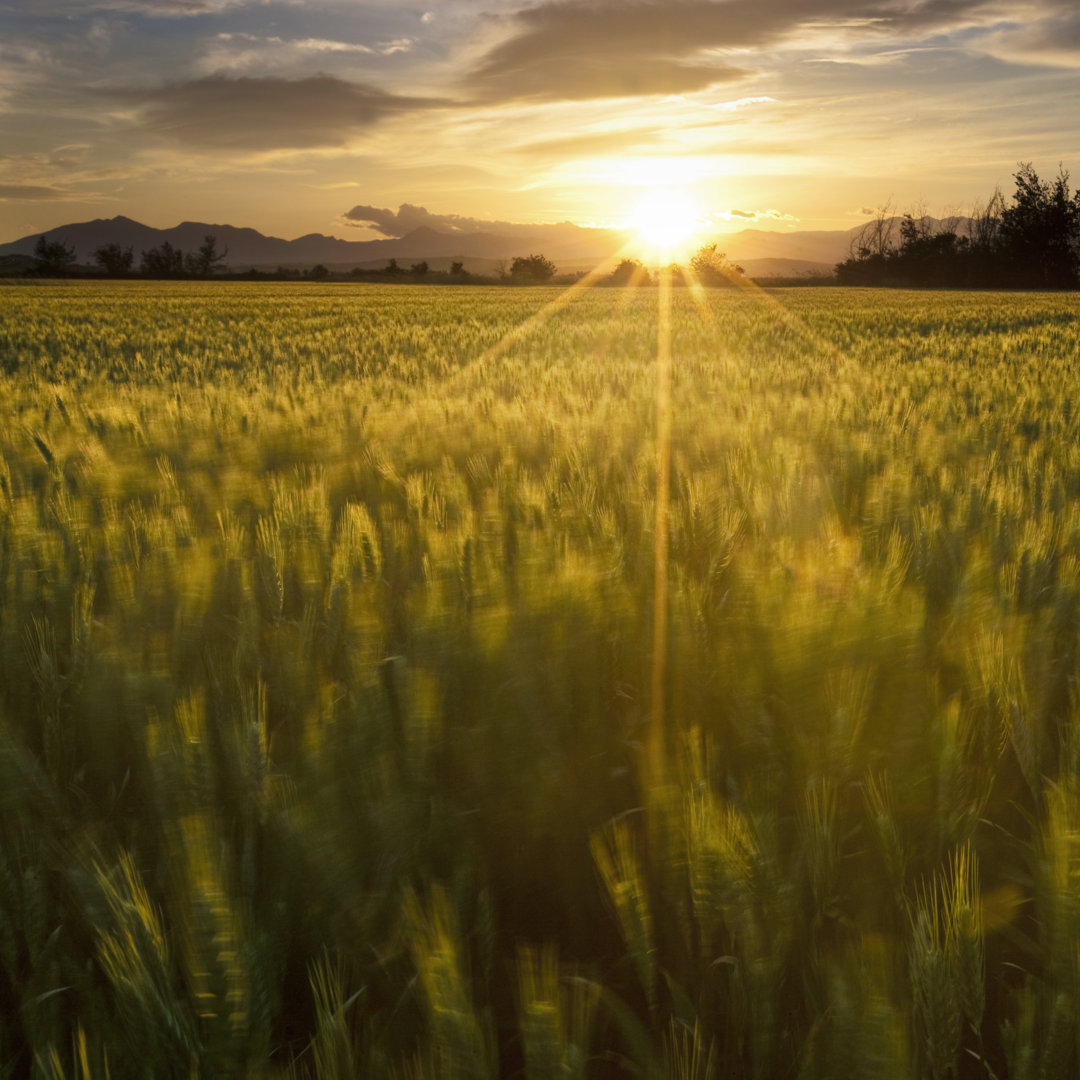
[(226, 113), (409, 217), (1059, 34), (572, 49), (406, 218), (32, 192)]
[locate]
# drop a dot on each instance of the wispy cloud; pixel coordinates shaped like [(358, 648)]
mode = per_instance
[(591, 144), (741, 103), (744, 217), (158, 8), (33, 192), (242, 52), (316, 45)]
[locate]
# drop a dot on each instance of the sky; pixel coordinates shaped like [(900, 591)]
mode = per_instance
[(364, 118)]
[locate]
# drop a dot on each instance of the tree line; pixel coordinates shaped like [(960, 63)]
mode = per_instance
[(55, 258), (1031, 242), (523, 270)]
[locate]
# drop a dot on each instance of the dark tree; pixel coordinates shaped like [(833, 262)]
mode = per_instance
[(53, 256), (206, 260), (318, 272), (392, 267), (114, 260), (1033, 242), (928, 254), (163, 261), (531, 270), (1040, 231), (419, 269), (457, 269), (984, 225)]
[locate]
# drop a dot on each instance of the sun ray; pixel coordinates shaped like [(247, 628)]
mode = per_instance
[(697, 293), (654, 761), (656, 752), (538, 318), (637, 278)]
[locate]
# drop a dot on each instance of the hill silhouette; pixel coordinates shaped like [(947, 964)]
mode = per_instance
[(573, 248)]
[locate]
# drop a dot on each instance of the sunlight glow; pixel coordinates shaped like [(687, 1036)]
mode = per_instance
[(666, 221)]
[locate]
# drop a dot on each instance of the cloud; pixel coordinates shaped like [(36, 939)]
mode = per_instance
[(301, 44), (1053, 41), (744, 216), (569, 49), (409, 217), (577, 49), (32, 192), (591, 144), (235, 51), (225, 113), (396, 45), (161, 8), (741, 103), (547, 79)]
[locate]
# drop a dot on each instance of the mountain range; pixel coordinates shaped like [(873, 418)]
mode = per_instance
[(760, 252)]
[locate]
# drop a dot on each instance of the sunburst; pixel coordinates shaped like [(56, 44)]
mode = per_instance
[(666, 222)]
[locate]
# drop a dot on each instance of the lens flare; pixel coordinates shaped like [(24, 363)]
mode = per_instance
[(665, 221)]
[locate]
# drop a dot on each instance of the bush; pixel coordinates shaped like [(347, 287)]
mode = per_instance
[(532, 270)]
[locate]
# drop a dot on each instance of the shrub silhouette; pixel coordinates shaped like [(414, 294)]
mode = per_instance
[(531, 270), (53, 256)]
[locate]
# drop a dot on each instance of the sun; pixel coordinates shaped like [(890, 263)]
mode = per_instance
[(665, 221)]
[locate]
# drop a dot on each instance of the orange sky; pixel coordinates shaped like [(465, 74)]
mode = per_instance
[(285, 115)]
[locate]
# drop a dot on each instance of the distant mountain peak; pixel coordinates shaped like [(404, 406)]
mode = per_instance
[(571, 247)]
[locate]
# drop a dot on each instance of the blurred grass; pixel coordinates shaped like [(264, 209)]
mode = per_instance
[(326, 648)]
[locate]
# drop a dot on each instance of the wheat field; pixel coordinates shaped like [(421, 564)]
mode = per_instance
[(327, 625)]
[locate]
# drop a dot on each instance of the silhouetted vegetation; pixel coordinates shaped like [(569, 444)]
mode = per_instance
[(114, 260), (164, 261), (532, 270), (206, 260), (1033, 242), (629, 272), (713, 267), (53, 256)]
